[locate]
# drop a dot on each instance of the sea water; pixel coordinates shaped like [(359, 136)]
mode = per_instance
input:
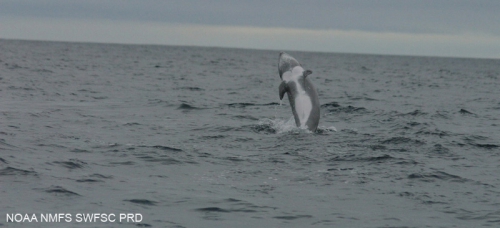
[(196, 137)]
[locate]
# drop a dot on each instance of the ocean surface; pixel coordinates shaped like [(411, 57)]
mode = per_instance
[(197, 137)]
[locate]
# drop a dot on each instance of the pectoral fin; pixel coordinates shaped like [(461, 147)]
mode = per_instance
[(283, 89), (307, 72)]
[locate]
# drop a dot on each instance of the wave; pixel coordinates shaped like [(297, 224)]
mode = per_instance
[(334, 107), (60, 191), (437, 176), (244, 105), (190, 88), (466, 113), (143, 202), (188, 107), (164, 148), (71, 164), (11, 171)]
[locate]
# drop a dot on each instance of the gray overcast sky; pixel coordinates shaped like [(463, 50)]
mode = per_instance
[(417, 27)]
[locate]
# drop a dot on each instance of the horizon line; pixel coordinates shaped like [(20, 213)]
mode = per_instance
[(244, 48)]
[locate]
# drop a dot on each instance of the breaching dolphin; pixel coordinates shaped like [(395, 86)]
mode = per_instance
[(301, 92)]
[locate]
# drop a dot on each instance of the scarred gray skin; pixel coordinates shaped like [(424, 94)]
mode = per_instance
[(287, 64)]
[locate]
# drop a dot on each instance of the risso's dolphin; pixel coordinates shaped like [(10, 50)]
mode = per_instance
[(301, 92)]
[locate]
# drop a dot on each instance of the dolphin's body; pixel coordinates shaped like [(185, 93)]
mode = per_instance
[(301, 92)]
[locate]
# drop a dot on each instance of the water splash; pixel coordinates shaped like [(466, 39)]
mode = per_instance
[(280, 126)]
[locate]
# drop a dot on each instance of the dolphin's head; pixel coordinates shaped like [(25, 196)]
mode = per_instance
[(287, 63)]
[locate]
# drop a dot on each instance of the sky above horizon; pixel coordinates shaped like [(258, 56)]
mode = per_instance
[(458, 28)]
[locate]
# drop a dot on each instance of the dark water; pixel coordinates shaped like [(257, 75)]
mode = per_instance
[(196, 137)]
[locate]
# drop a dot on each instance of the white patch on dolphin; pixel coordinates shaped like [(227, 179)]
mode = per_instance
[(303, 105)]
